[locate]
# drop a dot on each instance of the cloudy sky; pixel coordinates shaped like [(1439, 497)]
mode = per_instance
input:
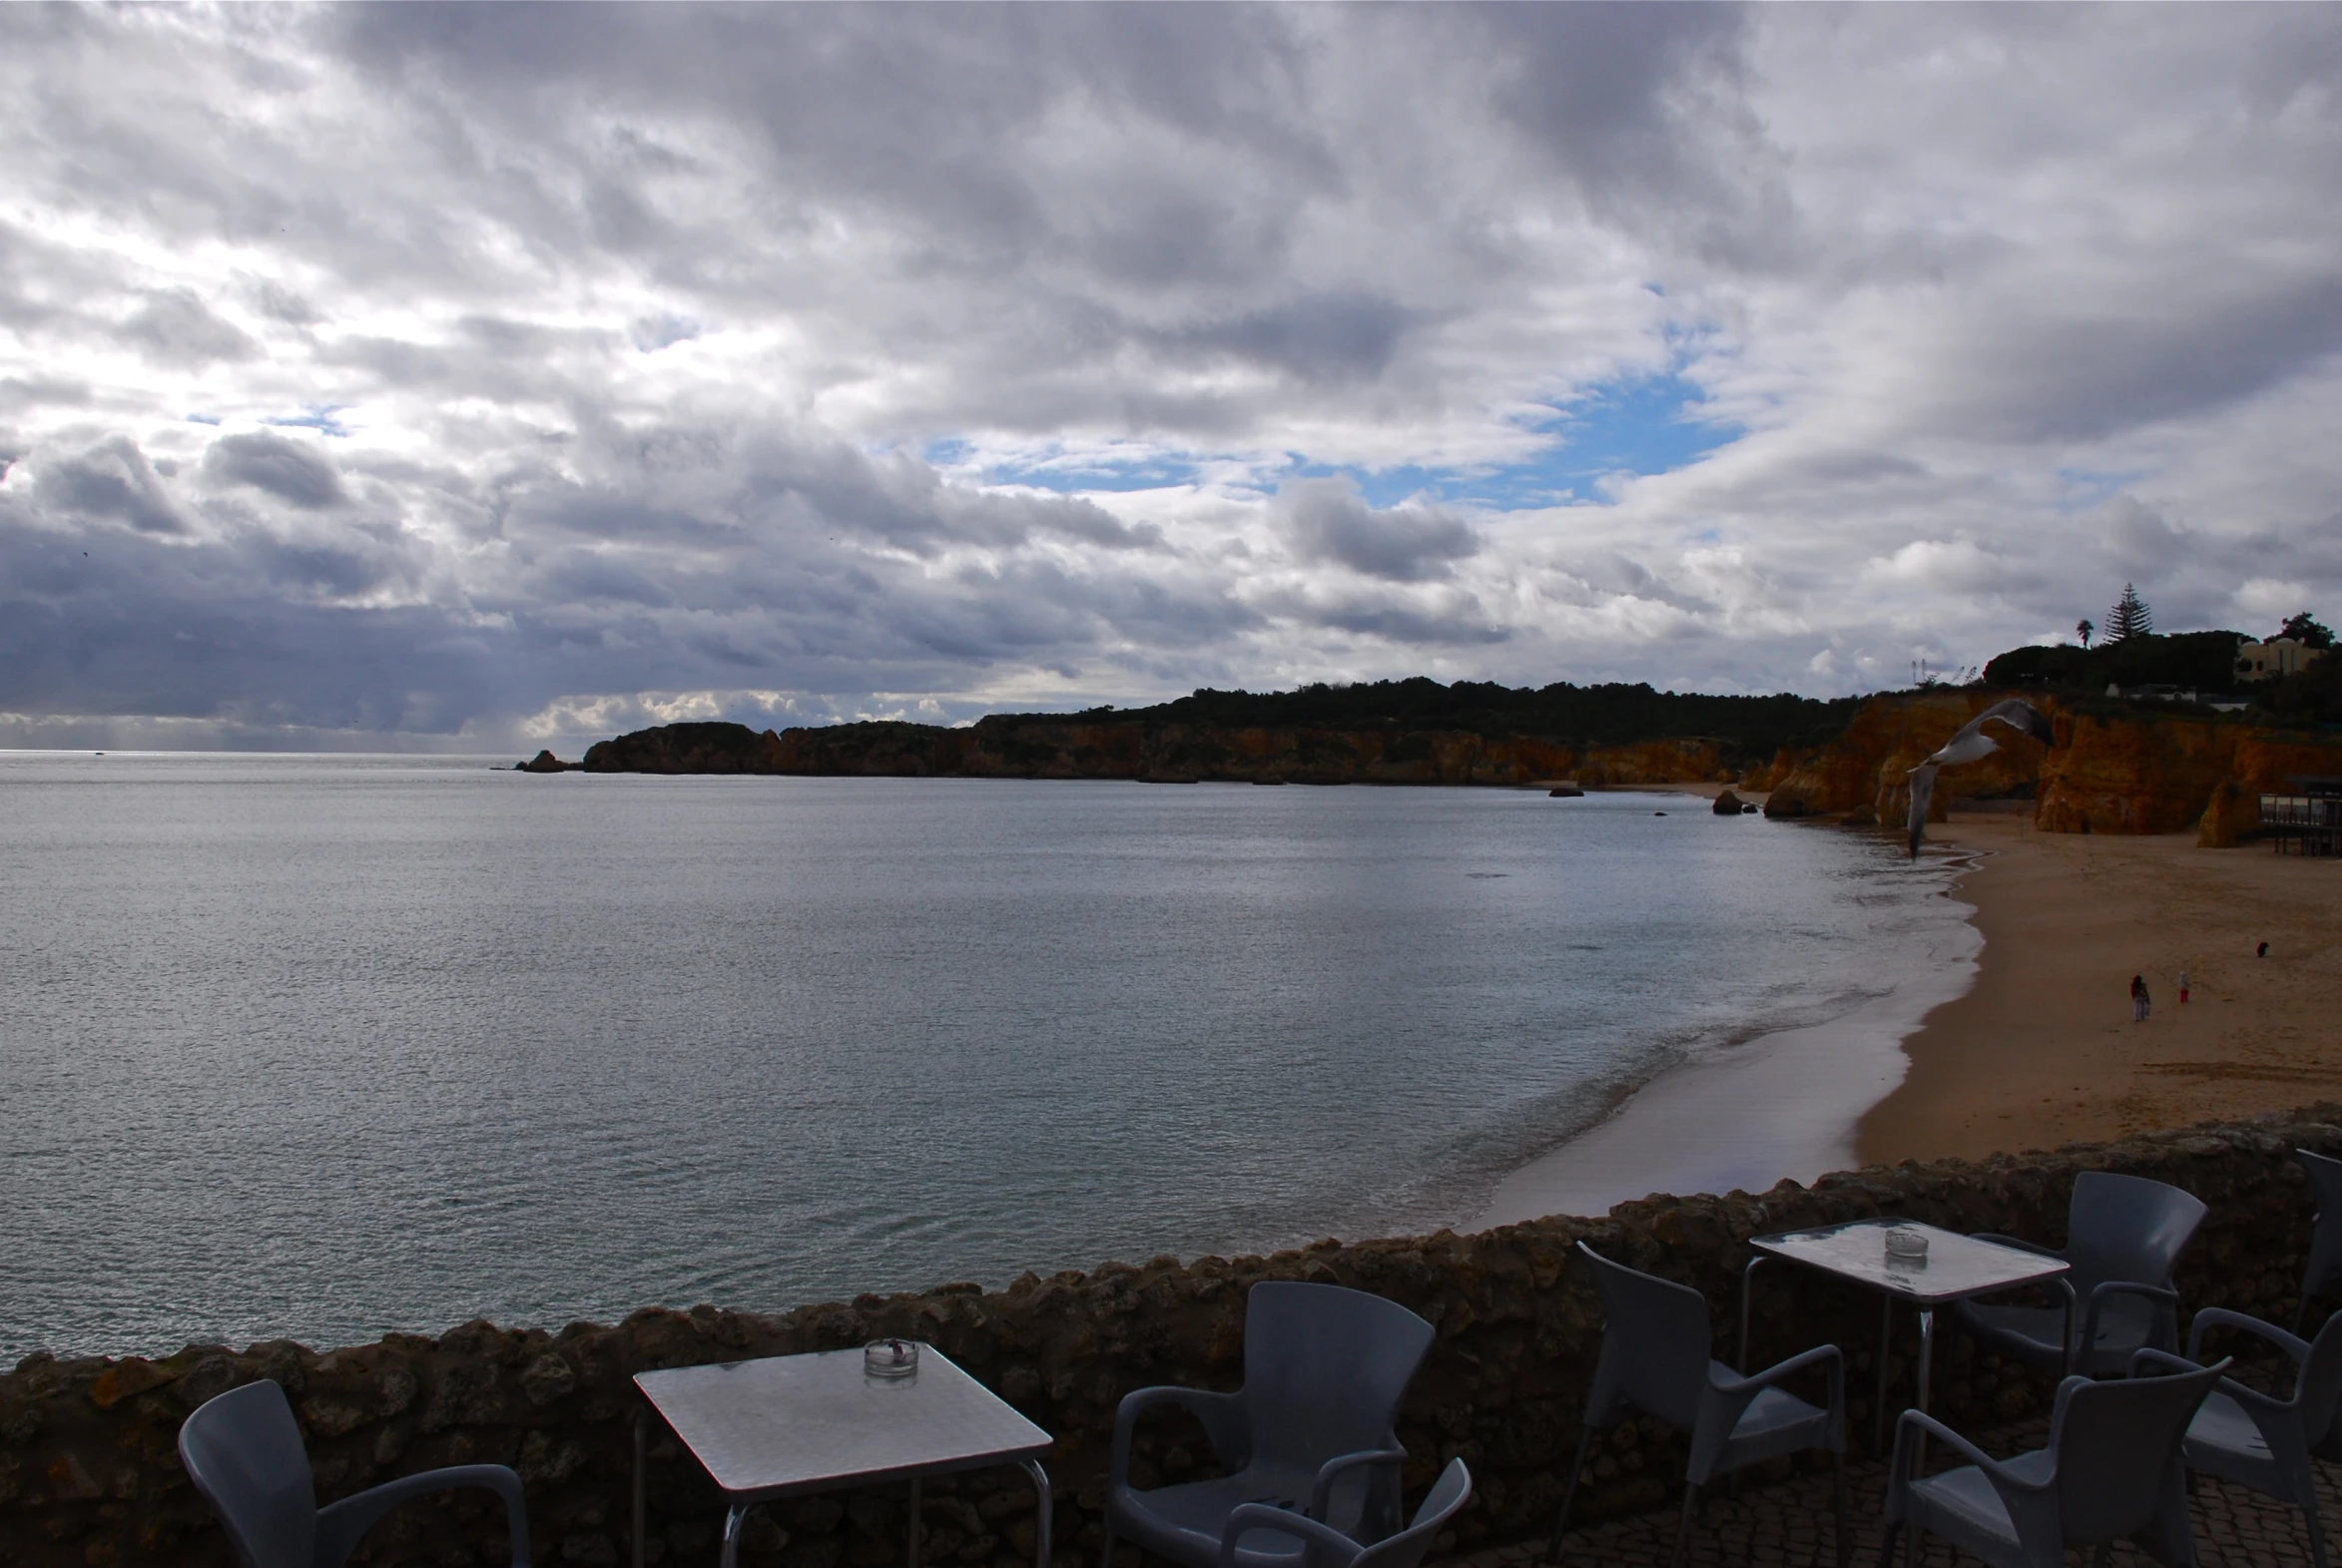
[(470, 378)]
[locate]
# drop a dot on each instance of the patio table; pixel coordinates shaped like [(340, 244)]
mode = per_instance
[(1956, 1267), (785, 1425)]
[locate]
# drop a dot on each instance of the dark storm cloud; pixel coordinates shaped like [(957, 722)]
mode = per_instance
[(176, 327), (1404, 544), (111, 481), (291, 470)]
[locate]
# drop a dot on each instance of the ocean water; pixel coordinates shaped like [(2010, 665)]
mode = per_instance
[(324, 1047)]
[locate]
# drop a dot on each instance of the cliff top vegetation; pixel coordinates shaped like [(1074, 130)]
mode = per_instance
[(2195, 661), (1606, 714)]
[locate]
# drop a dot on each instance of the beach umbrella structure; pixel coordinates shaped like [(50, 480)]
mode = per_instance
[(1968, 744)]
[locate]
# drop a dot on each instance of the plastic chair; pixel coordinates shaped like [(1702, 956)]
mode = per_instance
[(2248, 1437), (1313, 1431), (2324, 1275), (1656, 1359), (2124, 1234), (2111, 1472), (1330, 1548), (243, 1450)]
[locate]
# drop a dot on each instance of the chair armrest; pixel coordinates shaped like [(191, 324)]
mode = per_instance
[(1338, 1550), (1820, 1355), (2020, 1242), (1332, 1470), (2255, 1403), (2221, 1317), (1222, 1416), (341, 1526), (1991, 1468)]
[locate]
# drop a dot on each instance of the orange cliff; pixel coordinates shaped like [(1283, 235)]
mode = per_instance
[(2124, 772), (1179, 753)]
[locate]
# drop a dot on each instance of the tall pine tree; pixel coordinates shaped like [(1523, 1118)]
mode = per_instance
[(2130, 616)]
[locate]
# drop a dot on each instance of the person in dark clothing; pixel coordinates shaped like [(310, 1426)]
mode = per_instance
[(2139, 999)]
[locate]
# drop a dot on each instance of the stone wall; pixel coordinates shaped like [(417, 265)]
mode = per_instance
[(88, 1474)]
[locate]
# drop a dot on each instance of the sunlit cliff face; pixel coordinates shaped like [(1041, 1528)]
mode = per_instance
[(408, 376)]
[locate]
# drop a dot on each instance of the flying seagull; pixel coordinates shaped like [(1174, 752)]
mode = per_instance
[(1967, 744)]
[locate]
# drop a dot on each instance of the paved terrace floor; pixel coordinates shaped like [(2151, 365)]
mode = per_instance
[(1789, 1524)]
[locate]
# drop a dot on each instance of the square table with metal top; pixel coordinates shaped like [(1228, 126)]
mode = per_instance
[(785, 1425), (1956, 1267)]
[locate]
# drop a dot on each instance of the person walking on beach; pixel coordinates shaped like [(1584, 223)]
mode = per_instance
[(2183, 989), (2139, 999)]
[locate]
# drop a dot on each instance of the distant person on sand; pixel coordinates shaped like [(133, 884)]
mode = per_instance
[(2139, 999), (2183, 989), (2265, 952)]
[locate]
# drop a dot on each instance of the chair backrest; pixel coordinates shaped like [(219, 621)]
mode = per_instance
[(2319, 1392), (243, 1450), (2116, 1444), (1324, 1368), (2325, 1242), (1655, 1341), (1447, 1495), (2126, 1228)]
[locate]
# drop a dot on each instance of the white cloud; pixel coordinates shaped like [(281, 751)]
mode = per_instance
[(557, 369)]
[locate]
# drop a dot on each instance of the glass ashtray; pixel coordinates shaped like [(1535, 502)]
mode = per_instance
[(1907, 1247), (890, 1358)]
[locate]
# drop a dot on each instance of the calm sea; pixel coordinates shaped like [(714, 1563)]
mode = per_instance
[(322, 1047)]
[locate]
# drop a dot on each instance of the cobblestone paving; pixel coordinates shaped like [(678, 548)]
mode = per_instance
[(1789, 1525)]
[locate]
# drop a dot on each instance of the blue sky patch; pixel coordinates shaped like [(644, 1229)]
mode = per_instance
[(321, 419), (1646, 425)]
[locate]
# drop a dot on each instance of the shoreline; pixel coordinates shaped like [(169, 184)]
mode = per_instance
[(1787, 1103), (2027, 1045)]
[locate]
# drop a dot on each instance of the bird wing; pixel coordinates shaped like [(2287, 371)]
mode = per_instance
[(2020, 715), (1923, 791), (1968, 742)]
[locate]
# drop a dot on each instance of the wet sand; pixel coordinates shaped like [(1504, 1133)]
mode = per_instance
[(2026, 1044)]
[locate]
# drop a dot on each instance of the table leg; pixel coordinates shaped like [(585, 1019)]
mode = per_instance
[(1044, 1515), (1927, 1353), (913, 1533), (641, 1423), (732, 1523), (1747, 1283), (1886, 1339)]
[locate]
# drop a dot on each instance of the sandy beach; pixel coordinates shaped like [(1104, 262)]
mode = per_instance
[(2042, 1049), (2027, 1041)]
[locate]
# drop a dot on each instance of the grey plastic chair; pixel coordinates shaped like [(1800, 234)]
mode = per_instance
[(2124, 1236), (2111, 1472), (1313, 1431), (1656, 1359), (2324, 1275), (243, 1450), (1330, 1548), (2248, 1437)]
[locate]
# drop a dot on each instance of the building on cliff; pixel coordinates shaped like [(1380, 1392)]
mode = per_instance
[(2278, 655)]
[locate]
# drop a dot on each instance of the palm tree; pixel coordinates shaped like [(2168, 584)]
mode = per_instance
[(2082, 628), (2129, 618)]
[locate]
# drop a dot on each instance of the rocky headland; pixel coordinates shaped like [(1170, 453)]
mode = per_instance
[(2118, 768)]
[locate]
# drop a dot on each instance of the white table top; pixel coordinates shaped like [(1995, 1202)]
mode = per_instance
[(1956, 1266), (789, 1424)]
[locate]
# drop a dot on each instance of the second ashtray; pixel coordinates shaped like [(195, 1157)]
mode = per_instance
[(890, 1358)]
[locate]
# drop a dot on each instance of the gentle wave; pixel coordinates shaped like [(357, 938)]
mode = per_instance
[(322, 1047)]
